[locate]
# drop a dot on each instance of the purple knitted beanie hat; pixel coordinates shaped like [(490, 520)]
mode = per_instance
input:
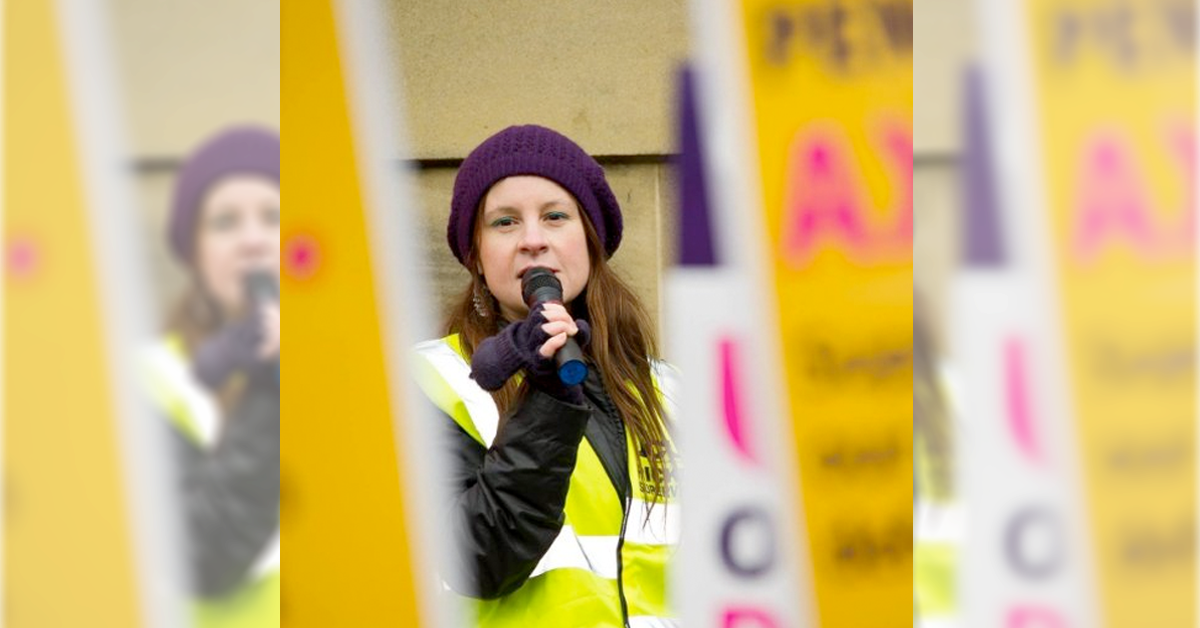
[(532, 150), (240, 150)]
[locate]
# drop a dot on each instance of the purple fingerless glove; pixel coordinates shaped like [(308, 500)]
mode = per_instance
[(515, 348), (233, 348)]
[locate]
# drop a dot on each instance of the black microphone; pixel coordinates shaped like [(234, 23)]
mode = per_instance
[(539, 285), (261, 289)]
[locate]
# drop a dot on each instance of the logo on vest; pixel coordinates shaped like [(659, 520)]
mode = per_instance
[(646, 484)]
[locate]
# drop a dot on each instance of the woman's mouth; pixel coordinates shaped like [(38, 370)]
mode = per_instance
[(521, 275)]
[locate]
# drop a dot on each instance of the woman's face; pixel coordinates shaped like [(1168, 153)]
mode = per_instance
[(238, 232), (529, 221)]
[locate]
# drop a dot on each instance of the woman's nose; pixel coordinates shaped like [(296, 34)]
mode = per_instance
[(255, 240), (533, 239)]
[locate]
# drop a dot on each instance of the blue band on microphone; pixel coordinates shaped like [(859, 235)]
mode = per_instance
[(573, 372)]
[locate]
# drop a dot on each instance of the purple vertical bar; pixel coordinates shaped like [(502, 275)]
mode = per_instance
[(983, 242), (695, 224)]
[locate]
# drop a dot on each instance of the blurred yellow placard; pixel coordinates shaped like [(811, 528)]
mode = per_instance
[(832, 106), (343, 519), (67, 543), (1115, 98)]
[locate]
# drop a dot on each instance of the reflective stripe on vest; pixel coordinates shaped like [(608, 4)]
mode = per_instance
[(937, 532), (191, 409), (172, 386), (940, 525), (576, 581), (937, 536)]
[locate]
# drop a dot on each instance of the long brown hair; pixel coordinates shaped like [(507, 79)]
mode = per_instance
[(195, 314), (194, 317), (623, 343), (932, 413)]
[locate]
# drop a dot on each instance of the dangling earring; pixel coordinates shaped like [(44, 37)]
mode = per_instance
[(480, 299)]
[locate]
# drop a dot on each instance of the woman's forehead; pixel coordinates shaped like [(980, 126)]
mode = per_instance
[(521, 190), (241, 186)]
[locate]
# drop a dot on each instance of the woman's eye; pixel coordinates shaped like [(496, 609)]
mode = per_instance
[(271, 216), (224, 221), (504, 221), (556, 216)]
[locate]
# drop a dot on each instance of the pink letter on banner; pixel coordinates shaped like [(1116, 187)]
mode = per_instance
[(823, 198), (1111, 197), (827, 198), (303, 256), (23, 257), (898, 144), (731, 400), (1016, 397), (1182, 138), (748, 617), (1035, 617)]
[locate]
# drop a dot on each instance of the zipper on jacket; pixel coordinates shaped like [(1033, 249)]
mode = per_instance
[(607, 408), (621, 565)]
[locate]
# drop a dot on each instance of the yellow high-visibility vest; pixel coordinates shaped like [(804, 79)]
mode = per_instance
[(606, 552), (193, 411)]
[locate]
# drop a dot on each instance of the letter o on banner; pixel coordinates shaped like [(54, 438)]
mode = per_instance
[(748, 542), (748, 618), (1035, 617), (1033, 543)]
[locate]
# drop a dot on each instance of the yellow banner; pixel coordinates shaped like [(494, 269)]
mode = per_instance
[(832, 102), (68, 552), (349, 562), (1115, 100)]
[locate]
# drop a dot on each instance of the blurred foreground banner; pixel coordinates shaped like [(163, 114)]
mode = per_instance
[(356, 464), (87, 518), (1074, 317), (791, 317)]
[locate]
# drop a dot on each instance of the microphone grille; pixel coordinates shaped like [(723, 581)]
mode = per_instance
[(261, 285), (538, 278)]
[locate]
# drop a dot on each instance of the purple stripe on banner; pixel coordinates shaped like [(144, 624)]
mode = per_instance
[(983, 242), (695, 225)]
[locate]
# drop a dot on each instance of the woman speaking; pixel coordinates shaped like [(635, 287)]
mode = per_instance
[(214, 376), (561, 491)]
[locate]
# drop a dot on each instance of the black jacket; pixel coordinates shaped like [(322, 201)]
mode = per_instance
[(505, 504), (230, 492)]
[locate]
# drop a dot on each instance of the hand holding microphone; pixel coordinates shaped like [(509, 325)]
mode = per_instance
[(247, 342), (262, 293), (539, 286), (530, 344), (268, 320)]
